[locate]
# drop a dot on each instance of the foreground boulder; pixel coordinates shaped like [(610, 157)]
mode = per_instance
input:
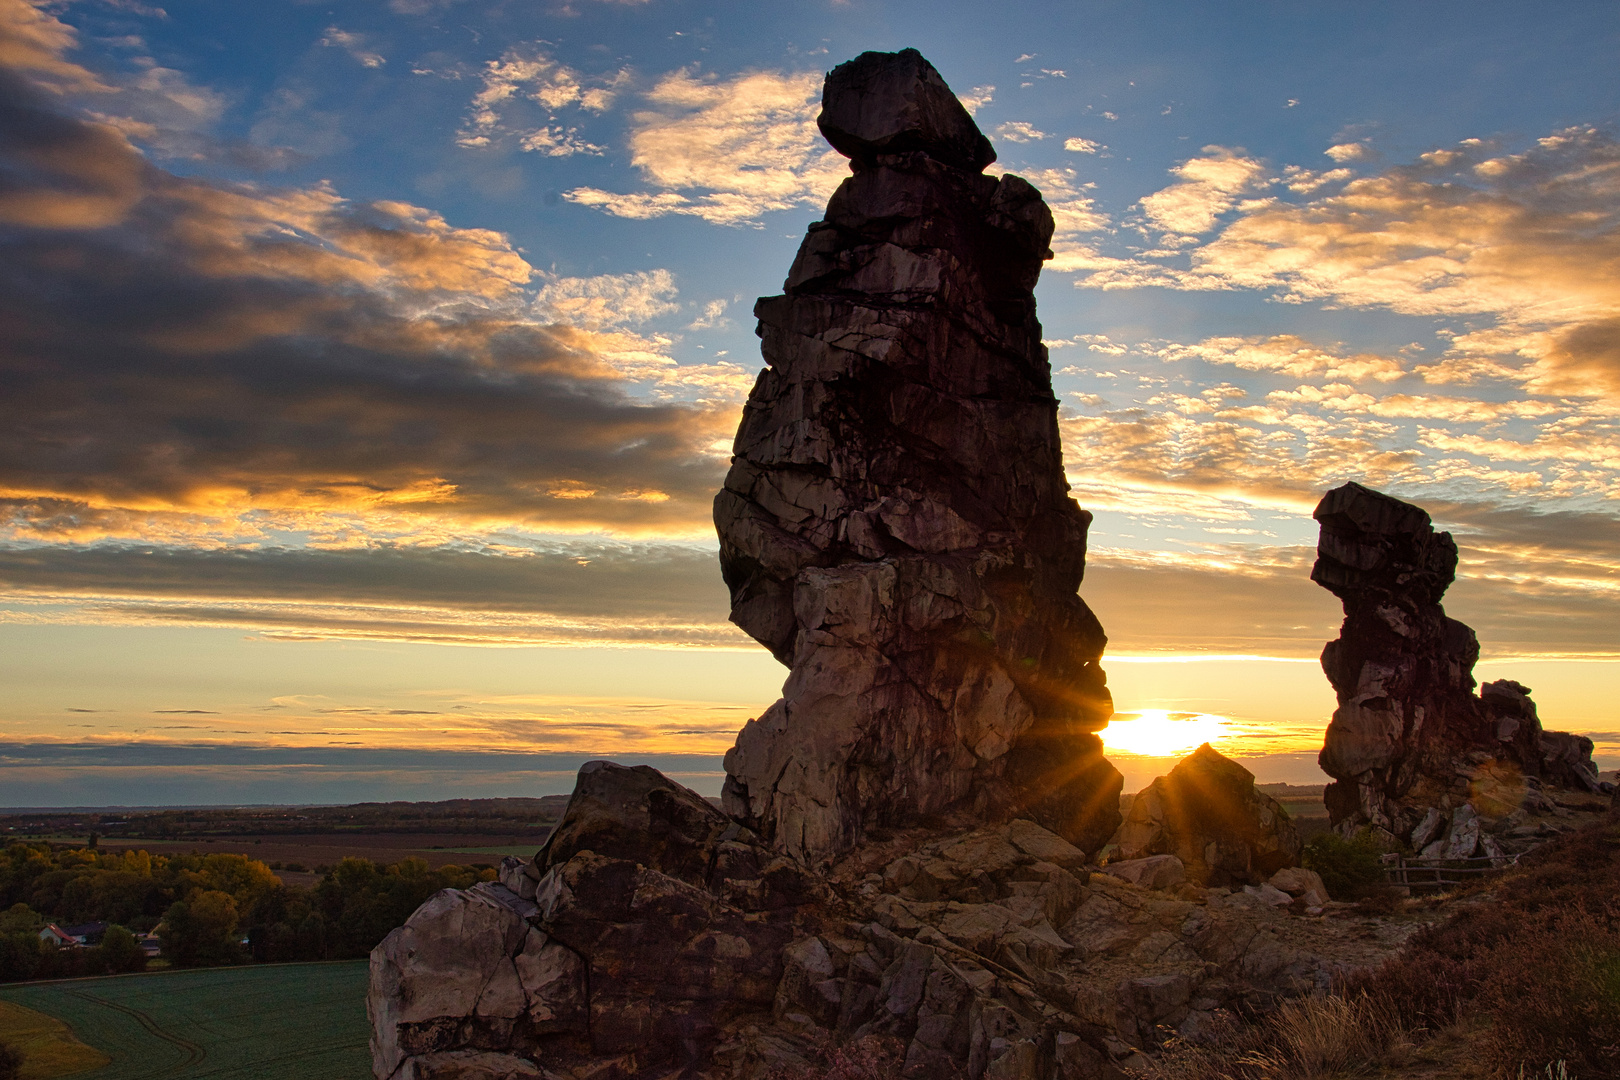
[(1410, 741), (655, 921), (1208, 814), (896, 526)]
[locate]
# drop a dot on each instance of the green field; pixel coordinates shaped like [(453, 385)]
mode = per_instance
[(275, 1022), (522, 851)]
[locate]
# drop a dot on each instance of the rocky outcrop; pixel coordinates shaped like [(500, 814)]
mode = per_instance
[(655, 921), (896, 526), (1109, 964), (663, 940), (1208, 814), (1409, 740)]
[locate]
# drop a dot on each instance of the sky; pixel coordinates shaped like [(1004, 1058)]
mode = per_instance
[(368, 369)]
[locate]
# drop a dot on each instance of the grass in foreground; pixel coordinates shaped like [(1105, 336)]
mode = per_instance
[(272, 1022), (48, 1047)]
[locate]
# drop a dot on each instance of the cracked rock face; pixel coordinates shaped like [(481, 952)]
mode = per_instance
[(647, 922), (896, 526), (1409, 740)]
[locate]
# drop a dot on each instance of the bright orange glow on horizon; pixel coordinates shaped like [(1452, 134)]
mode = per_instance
[(1160, 733)]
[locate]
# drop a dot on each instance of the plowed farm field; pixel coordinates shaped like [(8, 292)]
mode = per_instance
[(270, 1022)]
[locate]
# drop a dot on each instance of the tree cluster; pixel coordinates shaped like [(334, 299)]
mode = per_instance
[(204, 909)]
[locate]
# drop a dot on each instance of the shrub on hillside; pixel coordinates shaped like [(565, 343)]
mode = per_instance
[(1349, 868), (1527, 977), (1541, 962)]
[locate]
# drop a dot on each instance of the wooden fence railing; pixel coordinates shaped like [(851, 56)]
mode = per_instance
[(1420, 874)]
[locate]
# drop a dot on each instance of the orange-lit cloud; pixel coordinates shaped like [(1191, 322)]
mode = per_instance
[(1528, 239), (741, 147), (276, 408), (1208, 187), (1287, 354), (199, 362)]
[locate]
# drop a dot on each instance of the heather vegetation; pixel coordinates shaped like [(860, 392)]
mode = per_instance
[(1523, 980), (204, 909)]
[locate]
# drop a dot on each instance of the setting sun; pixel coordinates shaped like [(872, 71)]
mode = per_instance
[(1158, 733)]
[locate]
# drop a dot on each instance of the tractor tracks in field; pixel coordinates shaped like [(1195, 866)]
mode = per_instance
[(191, 1053)]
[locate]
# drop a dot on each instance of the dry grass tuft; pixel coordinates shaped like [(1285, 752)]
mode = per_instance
[(1305, 1039), (1326, 1036)]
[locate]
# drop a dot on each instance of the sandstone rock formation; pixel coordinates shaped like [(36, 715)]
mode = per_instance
[(655, 920), (1065, 961), (1208, 815), (1410, 741), (896, 526), (664, 940)]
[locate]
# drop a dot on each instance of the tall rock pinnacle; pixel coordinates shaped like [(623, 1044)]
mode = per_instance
[(896, 526), (1409, 740)]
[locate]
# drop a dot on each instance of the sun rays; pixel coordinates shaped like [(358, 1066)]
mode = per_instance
[(1160, 733)]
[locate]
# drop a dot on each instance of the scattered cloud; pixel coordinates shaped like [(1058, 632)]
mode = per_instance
[(1287, 354), (1303, 181), (714, 315), (1208, 187), (527, 84), (726, 151), (354, 44), (1353, 151), (978, 99), (1530, 238), (227, 365), (1017, 131), (609, 299), (1094, 342), (1078, 145)]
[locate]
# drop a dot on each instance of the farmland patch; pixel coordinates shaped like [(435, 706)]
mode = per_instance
[(269, 1022)]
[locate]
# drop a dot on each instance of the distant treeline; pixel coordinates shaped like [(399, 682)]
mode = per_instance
[(488, 817), (204, 909)]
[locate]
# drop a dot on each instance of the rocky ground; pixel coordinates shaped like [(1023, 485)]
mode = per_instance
[(655, 938), (1051, 947)]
